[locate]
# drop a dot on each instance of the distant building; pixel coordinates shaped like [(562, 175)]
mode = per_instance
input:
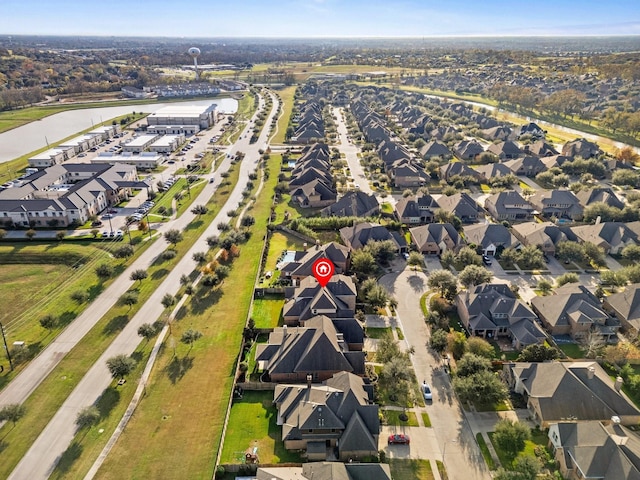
[(140, 144), (203, 116), (143, 161)]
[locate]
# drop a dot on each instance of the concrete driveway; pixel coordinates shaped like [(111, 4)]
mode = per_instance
[(450, 437)]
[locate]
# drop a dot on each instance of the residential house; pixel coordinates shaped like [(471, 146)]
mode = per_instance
[(490, 237), (499, 132), (325, 471), (302, 265), (406, 174), (529, 166), (612, 237), (436, 238), (336, 300), (532, 130), (315, 194), (435, 148), (415, 209), (337, 414), (462, 206), (540, 148), (493, 170), (492, 310), (599, 195), (545, 235), (317, 349), (555, 161), (353, 204), (562, 204), (560, 391), (595, 449), (357, 236), (508, 205), (505, 150), (458, 169), (625, 306), (581, 147), (573, 310), (468, 149)]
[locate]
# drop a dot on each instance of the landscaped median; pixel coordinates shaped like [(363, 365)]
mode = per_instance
[(176, 431)]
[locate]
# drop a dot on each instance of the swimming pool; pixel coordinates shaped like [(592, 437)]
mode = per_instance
[(289, 256)]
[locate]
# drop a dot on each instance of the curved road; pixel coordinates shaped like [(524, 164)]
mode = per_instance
[(40, 460), (452, 438)]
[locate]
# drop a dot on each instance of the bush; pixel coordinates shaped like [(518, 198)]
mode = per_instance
[(168, 254)]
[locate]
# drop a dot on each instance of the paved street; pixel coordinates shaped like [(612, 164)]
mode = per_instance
[(450, 438), (41, 458)]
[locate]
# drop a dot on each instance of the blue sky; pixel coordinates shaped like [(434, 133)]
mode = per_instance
[(319, 18)]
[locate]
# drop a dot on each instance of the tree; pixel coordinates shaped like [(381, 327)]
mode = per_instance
[(439, 340), (129, 298), (415, 259), (222, 271), (612, 279), (511, 436), (537, 353), (631, 252), (592, 344), (457, 343), (104, 271), (545, 286), (30, 233), (189, 337), (87, 417), (168, 300), (479, 346), (199, 257), (12, 413), (531, 257), (483, 387), (383, 251), (509, 256), (363, 262), (570, 251), (125, 251), (120, 366), (525, 467), (48, 322), (474, 275), (79, 296), (138, 275), (147, 331), (468, 256), (247, 221), (173, 236), (628, 155), (594, 253), (471, 363), (442, 280), (60, 236), (569, 277), (199, 210), (3, 233)]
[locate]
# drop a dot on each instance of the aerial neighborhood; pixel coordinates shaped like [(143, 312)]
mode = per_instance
[(166, 315)]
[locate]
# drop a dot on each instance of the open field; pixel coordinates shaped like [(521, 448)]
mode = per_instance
[(187, 410), (252, 424), (286, 94)]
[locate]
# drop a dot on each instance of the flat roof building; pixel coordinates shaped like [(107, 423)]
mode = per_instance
[(167, 143), (201, 115), (82, 143), (142, 161), (53, 156), (140, 144)]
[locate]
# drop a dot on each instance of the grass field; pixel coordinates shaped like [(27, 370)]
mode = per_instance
[(286, 94), (402, 469), (267, 311), (392, 417), (571, 350), (278, 243), (426, 420), (538, 438), (485, 452), (252, 423), (377, 333), (188, 412)]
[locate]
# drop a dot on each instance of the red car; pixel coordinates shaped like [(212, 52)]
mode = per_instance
[(399, 438)]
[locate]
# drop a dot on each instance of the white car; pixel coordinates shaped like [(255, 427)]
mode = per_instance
[(426, 391)]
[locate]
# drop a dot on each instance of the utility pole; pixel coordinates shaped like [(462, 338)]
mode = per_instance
[(4, 339)]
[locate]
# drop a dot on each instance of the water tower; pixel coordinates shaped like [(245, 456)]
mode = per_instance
[(194, 52)]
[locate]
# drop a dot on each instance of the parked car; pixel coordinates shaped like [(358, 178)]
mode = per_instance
[(107, 216), (398, 439), (96, 223), (486, 260), (426, 391)]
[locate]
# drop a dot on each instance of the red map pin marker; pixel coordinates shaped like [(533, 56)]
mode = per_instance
[(323, 270)]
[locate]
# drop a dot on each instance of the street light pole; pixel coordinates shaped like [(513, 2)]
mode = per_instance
[(4, 340)]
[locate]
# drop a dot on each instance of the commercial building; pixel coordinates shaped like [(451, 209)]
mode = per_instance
[(140, 144), (143, 161), (201, 115), (167, 143), (173, 129), (82, 143), (106, 131), (53, 156)]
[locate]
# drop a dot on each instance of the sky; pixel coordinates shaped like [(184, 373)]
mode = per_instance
[(319, 18)]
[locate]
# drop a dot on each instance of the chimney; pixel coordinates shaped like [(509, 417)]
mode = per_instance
[(309, 378), (284, 331), (598, 220), (618, 384), (591, 372)]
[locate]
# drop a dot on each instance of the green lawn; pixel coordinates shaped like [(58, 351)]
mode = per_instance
[(402, 469), (425, 419), (267, 311), (278, 243), (286, 95), (492, 407), (392, 418), (485, 452), (252, 423), (571, 350), (538, 438), (377, 333)]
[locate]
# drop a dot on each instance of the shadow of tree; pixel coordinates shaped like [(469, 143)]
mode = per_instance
[(416, 282), (108, 400), (67, 317), (115, 324), (3, 446), (182, 312), (204, 299), (194, 225), (178, 368), (95, 290), (68, 458), (26, 353), (162, 272)]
